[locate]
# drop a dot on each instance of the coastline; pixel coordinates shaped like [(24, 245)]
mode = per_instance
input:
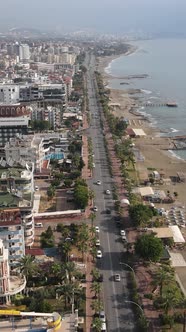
[(155, 148)]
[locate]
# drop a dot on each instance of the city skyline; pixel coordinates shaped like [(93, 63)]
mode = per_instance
[(107, 16)]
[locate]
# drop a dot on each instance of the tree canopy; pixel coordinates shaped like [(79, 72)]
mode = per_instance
[(140, 214), (40, 125), (81, 194), (149, 247)]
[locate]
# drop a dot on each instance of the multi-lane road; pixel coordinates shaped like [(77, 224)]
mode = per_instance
[(118, 312)]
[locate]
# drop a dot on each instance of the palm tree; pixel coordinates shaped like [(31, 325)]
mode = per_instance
[(56, 269), (93, 252), (97, 306), (96, 288), (97, 324), (171, 299), (163, 277), (95, 274), (67, 290), (27, 266), (91, 194), (70, 270), (92, 218), (65, 248), (83, 247)]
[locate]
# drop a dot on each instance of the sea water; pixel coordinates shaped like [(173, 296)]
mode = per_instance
[(164, 61)]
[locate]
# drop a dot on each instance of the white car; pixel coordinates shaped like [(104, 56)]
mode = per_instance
[(93, 165), (97, 243), (107, 192), (98, 182), (95, 209), (117, 277), (97, 229), (122, 232), (99, 254), (36, 188), (102, 316)]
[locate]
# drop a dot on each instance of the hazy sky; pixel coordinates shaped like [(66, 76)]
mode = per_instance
[(101, 15)]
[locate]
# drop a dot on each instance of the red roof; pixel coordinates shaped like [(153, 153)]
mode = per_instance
[(34, 252)]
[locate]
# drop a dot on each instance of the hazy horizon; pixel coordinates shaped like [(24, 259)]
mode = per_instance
[(105, 16)]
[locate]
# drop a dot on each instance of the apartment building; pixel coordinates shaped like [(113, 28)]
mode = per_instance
[(21, 150), (51, 114), (14, 119), (24, 52), (12, 234), (9, 93), (17, 196), (10, 284)]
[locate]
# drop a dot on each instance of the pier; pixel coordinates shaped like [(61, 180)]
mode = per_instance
[(160, 105)]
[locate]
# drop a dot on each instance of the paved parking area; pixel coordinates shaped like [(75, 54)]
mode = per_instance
[(177, 259)]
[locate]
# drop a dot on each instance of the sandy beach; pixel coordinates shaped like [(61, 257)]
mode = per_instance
[(153, 147)]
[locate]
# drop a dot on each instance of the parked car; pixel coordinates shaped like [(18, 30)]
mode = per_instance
[(117, 277), (102, 316), (97, 243), (97, 229), (99, 254)]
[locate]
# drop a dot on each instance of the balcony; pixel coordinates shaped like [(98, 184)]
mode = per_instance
[(17, 284), (29, 242), (29, 234)]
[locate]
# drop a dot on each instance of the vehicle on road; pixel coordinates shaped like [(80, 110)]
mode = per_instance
[(95, 209), (123, 237), (98, 182), (117, 277), (108, 211), (99, 254), (107, 192), (104, 327), (97, 243), (102, 316), (93, 165), (36, 188), (122, 232), (97, 229), (70, 192)]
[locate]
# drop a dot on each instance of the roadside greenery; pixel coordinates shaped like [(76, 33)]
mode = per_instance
[(141, 214), (81, 194), (149, 247)]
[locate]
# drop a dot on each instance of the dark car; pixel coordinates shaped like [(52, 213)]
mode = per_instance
[(100, 278), (108, 211)]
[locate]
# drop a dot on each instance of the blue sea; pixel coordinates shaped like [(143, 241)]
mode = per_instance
[(164, 61)]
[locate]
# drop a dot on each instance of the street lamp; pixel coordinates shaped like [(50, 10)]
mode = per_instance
[(121, 263), (136, 305)]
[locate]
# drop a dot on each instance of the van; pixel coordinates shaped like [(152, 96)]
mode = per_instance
[(38, 225)]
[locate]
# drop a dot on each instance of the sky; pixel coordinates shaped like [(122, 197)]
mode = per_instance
[(106, 16)]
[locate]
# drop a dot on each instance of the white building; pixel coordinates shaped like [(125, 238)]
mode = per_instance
[(24, 52), (9, 284), (25, 149), (9, 93)]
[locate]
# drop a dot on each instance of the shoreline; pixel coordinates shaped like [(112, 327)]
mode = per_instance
[(156, 149)]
